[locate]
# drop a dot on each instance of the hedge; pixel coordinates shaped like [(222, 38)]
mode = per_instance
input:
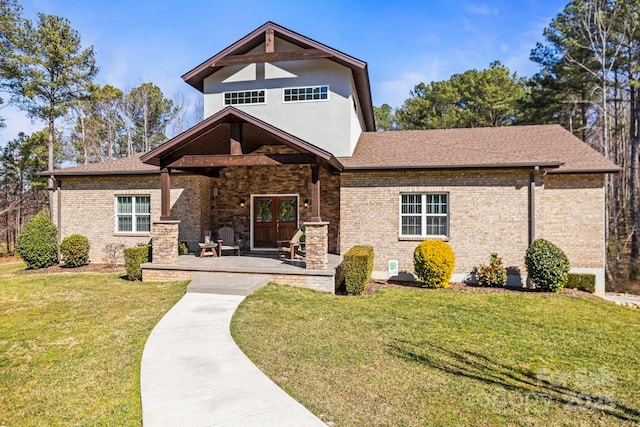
[(133, 258), (582, 281), (358, 265)]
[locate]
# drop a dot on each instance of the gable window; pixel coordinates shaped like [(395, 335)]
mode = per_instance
[(244, 97), (424, 215), (133, 214), (310, 93)]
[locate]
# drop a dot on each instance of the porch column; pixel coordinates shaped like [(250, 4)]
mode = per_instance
[(315, 193), (164, 241), (317, 245), (165, 194)]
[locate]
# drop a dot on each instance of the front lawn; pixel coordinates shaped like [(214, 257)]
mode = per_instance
[(71, 343), (412, 358)]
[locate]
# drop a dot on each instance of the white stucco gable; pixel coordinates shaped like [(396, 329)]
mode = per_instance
[(332, 124), (294, 83)]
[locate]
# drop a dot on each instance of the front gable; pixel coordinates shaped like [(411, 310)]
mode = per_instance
[(308, 89)]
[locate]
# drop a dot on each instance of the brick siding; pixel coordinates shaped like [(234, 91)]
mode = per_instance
[(489, 212), (89, 208)]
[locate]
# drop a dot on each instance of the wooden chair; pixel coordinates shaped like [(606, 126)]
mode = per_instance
[(208, 245), (291, 247), (227, 241)]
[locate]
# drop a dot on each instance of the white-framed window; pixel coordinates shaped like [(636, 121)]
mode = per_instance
[(133, 214), (424, 215), (306, 93), (245, 97)]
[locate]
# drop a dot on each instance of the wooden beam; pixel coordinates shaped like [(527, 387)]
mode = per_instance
[(255, 58), (269, 45), (235, 147), (165, 194), (315, 193), (221, 161)]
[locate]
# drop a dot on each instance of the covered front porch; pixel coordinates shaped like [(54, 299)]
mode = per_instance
[(279, 270), (261, 181)]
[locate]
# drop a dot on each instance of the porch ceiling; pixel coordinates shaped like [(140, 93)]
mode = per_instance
[(210, 139)]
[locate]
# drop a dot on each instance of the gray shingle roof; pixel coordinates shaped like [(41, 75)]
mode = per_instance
[(126, 166), (498, 147), (501, 147)]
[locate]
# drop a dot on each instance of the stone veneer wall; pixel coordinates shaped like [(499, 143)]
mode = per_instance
[(488, 213), (89, 208), (237, 183)]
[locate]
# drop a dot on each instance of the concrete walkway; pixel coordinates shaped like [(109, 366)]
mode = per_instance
[(627, 300), (193, 374)]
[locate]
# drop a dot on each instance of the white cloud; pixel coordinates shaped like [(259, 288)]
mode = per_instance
[(481, 10), (425, 69)]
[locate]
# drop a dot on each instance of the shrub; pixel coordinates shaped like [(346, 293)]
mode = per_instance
[(583, 282), (133, 258), (547, 265), (75, 250), (494, 274), (183, 248), (357, 264), (37, 243), (434, 261)]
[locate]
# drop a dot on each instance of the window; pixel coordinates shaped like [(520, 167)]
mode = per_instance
[(424, 215), (133, 214), (244, 97), (311, 93)]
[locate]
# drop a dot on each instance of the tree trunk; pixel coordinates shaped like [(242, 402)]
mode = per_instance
[(633, 186), (50, 164)]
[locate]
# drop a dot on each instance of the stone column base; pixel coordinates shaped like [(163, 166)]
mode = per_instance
[(317, 245), (164, 242)]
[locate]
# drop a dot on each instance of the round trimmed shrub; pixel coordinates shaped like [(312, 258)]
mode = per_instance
[(75, 250), (37, 243), (547, 265), (434, 261)]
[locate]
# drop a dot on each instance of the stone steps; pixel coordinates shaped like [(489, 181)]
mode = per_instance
[(226, 283)]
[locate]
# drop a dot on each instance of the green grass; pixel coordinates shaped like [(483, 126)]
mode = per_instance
[(71, 344), (413, 358)]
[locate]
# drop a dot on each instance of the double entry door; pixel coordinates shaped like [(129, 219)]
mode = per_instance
[(274, 218)]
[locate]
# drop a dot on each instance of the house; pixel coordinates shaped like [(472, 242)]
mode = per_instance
[(289, 138)]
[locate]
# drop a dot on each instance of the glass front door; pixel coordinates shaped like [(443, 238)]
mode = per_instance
[(274, 218)]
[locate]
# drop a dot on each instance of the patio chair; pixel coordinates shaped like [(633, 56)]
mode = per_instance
[(291, 247), (227, 241), (208, 245)]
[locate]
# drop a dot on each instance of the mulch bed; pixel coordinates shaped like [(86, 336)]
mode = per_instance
[(376, 285), (89, 268)]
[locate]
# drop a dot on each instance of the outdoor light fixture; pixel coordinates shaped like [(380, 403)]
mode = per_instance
[(306, 203), (242, 202)]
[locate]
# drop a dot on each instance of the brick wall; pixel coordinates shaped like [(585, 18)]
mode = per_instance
[(570, 213), (89, 203), (489, 212)]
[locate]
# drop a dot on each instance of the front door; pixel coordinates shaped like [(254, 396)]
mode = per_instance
[(274, 218)]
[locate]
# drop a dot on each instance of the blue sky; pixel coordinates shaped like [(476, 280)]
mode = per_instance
[(403, 42)]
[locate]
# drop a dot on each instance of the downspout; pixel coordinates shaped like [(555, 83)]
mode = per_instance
[(532, 204)]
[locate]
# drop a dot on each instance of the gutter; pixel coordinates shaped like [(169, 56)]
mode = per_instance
[(480, 166)]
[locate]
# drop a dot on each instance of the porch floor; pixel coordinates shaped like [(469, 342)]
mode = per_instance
[(280, 270)]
